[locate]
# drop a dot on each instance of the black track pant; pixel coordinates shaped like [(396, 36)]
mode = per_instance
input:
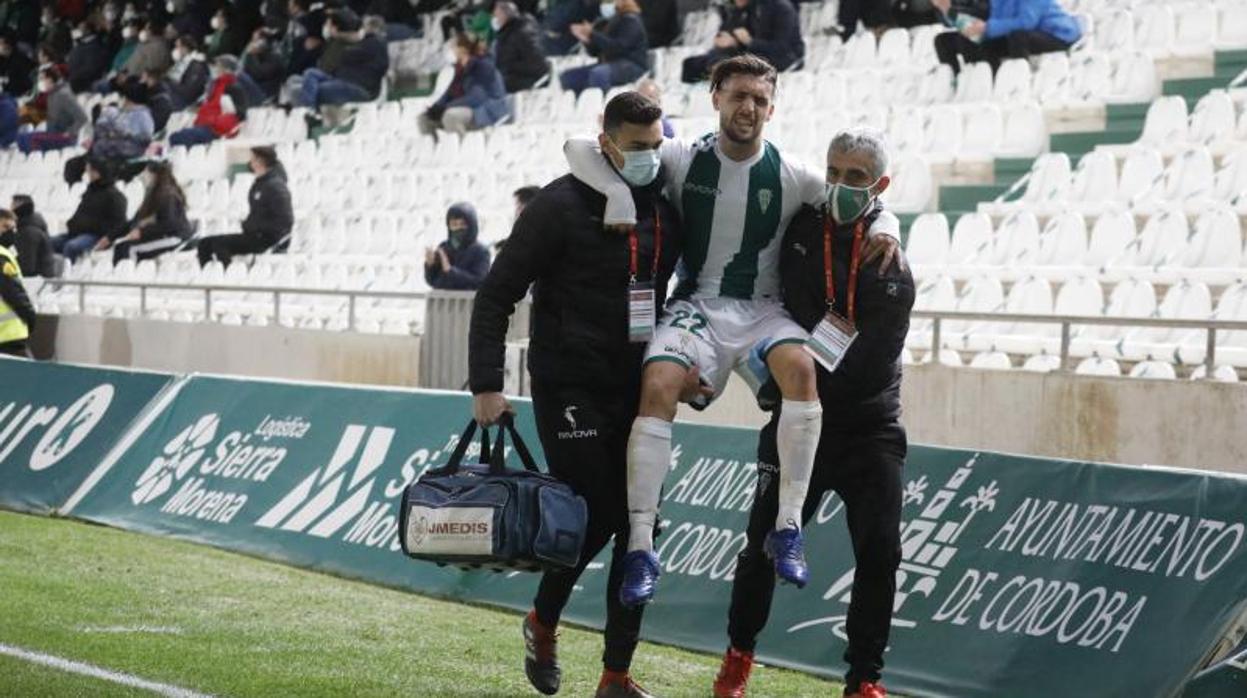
[(864, 468), (1019, 44), (585, 437), (226, 247)]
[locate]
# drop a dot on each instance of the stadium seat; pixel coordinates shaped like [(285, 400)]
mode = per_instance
[(1042, 363), (912, 188), (1096, 366), (1110, 239), (1155, 30), (974, 84), (1195, 30), (1063, 242), (992, 360), (1223, 373), (1047, 188), (1153, 370), (1031, 296), (936, 294), (1212, 121), (1141, 174), (1093, 184), (1131, 78), (981, 294), (928, 243), (1231, 27), (1013, 82)]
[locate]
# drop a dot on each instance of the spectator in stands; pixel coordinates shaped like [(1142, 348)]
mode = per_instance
[(56, 33), (189, 75), (517, 48), (360, 69), (9, 122), (523, 196), (65, 116), (557, 38), (773, 32), (329, 56), (160, 224), (476, 97), (217, 42), (651, 90), (460, 263), (100, 214), (90, 65), (618, 41), (873, 14), (303, 43), (269, 220), (33, 244), (223, 110), (1014, 29), (158, 99), (15, 67), (263, 64), (17, 313), (151, 53), (662, 21), (121, 134)]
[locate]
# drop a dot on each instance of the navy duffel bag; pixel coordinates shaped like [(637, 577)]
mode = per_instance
[(486, 515)]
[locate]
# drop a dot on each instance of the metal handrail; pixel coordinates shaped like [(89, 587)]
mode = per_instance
[(208, 289), (1067, 321)]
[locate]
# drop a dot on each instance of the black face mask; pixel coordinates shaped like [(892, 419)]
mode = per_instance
[(458, 239), (9, 237)]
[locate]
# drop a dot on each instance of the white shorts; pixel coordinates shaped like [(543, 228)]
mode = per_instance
[(720, 335)]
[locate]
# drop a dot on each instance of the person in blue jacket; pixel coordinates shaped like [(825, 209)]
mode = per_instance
[(477, 96), (1014, 29), (8, 120), (619, 42), (460, 263)]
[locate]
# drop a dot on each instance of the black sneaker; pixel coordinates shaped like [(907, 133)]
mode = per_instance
[(541, 660)]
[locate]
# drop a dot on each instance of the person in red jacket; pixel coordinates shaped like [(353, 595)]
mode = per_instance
[(223, 109)]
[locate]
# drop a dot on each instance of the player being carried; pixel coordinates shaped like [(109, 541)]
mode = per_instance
[(736, 194)]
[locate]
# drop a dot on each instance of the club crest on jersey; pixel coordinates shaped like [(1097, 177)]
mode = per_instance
[(764, 199)]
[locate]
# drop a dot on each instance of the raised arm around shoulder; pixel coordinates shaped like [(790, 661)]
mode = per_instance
[(584, 156), (886, 223)]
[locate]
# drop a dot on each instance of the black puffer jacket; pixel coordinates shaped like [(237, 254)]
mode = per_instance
[(469, 259), (579, 273), (271, 216), (34, 246), (518, 54), (866, 387)]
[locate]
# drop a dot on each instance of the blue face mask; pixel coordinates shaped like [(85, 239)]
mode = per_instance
[(640, 167), (608, 10)]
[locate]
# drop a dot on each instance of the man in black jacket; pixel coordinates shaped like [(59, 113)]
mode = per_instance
[(772, 31), (358, 75), (100, 214), (33, 245), (595, 296), (517, 48), (268, 221), (862, 447), (620, 45)]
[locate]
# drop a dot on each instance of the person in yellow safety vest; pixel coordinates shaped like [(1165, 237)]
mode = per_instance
[(17, 313)]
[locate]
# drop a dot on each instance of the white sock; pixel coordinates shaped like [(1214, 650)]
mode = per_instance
[(800, 424), (649, 459)]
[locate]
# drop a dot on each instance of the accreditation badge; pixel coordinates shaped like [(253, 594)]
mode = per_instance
[(831, 339), (642, 312)]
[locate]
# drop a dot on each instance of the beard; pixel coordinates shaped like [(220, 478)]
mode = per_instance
[(734, 133)]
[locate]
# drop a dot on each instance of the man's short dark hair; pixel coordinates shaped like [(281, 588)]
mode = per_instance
[(525, 195), (345, 20), (630, 108), (745, 64), (6, 214), (20, 200), (267, 155)]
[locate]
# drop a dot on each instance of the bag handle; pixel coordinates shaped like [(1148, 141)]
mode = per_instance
[(497, 464), (461, 449)]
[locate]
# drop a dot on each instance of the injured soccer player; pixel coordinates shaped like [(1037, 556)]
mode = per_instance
[(736, 194)]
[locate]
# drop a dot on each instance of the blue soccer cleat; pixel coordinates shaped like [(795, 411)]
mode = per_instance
[(639, 578), (786, 547)]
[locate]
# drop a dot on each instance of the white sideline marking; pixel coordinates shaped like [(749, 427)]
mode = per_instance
[(73, 667), (134, 431), (157, 629)]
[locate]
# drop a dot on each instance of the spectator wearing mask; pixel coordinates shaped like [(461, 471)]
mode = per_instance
[(223, 110), (151, 53), (772, 32), (158, 99), (618, 41), (189, 75), (32, 244), (360, 70), (216, 43), (269, 219), (129, 43), (263, 64), (17, 313), (55, 32), (329, 56), (15, 67), (160, 224), (303, 42), (1014, 29), (557, 38), (101, 213), (517, 48), (121, 133), (460, 263), (35, 110), (65, 116), (476, 97), (653, 92)]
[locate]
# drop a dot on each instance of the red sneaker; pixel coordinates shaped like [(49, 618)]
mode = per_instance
[(618, 684), (733, 674), (868, 689)]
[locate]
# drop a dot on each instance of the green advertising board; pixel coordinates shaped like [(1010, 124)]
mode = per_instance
[(1226, 678), (57, 422), (1020, 576)]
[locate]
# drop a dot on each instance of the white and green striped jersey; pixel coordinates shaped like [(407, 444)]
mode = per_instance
[(733, 212)]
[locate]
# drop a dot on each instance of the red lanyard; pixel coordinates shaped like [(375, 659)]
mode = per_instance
[(632, 250), (855, 262)]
